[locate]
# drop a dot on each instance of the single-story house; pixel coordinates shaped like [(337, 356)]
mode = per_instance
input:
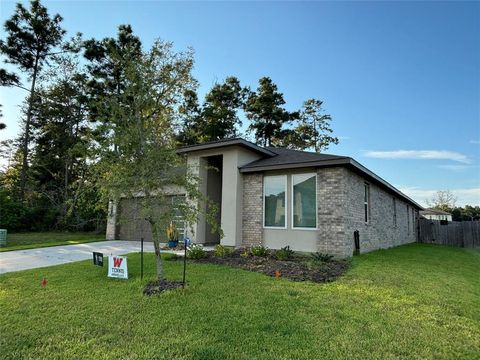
[(278, 197), (434, 214)]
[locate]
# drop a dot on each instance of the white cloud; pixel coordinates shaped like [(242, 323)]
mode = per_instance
[(419, 154), (464, 196), (455, 167)]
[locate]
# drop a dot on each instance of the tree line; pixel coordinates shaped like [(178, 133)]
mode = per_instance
[(91, 104)]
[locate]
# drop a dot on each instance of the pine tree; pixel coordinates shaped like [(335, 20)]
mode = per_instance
[(264, 108), (32, 34)]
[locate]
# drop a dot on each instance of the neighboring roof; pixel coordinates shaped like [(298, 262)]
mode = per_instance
[(434, 212), (224, 143), (281, 158)]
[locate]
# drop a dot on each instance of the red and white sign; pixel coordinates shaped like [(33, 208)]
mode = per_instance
[(117, 267)]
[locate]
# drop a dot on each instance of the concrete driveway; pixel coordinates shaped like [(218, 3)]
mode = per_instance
[(55, 255)]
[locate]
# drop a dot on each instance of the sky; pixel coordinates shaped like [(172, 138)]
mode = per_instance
[(401, 80)]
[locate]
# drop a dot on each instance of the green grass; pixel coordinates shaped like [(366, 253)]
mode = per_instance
[(414, 301), (20, 241)]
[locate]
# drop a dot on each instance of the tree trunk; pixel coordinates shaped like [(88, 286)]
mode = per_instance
[(26, 137), (158, 259)]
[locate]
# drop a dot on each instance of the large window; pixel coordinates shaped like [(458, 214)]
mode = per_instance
[(304, 194), (274, 201)]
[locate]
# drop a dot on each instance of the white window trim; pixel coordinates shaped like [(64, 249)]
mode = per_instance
[(286, 204), (316, 203), (366, 186)]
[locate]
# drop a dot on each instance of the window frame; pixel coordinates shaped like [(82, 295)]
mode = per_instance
[(286, 203), (293, 199), (366, 203)]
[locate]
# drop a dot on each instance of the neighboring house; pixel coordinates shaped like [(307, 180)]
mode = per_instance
[(434, 214), (278, 197)]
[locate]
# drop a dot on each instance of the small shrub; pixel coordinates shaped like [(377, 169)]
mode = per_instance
[(169, 257), (259, 250), (196, 251), (222, 251), (284, 253), (245, 253), (320, 257)]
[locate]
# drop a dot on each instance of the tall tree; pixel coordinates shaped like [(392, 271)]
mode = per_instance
[(312, 130), (32, 34), (190, 119), (107, 63), (59, 161), (145, 164), (443, 200), (264, 108)]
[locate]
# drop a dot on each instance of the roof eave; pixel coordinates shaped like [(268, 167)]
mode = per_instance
[(217, 145)]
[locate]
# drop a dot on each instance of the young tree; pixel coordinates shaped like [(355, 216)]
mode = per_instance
[(443, 200), (32, 34), (144, 164), (264, 109)]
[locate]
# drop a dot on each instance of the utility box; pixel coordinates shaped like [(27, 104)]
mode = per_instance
[(3, 237)]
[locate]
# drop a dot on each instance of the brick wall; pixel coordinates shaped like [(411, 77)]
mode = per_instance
[(252, 216), (380, 231), (340, 199)]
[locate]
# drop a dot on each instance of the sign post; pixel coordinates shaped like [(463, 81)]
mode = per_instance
[(97, 259), (117, 267)]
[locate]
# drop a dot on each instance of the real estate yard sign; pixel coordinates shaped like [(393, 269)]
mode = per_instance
[(117, 267)]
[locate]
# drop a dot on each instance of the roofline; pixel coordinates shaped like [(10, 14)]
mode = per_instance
[(225, 143), (343, 161)]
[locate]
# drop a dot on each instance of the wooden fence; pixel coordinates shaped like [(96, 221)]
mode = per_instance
[(454, 233)]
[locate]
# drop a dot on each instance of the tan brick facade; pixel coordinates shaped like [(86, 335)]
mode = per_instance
[(252, 217), (340, 199)]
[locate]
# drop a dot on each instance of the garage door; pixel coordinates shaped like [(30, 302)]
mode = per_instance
[(132, 226)]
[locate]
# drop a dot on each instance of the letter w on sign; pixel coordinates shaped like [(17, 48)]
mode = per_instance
[(117, 262)]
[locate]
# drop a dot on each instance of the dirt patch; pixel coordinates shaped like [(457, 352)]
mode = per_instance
[(156, 287), (299, 268)]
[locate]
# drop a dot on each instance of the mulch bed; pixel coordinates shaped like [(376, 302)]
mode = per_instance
[(299, 268), (156, 287)]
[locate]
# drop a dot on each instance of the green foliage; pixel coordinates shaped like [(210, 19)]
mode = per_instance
[(415, 290), (284, 253), (264, 109), (245, 253), (14, 214), (169, 257), (259, 250), (321, 257), (196, 251), (222, 251)]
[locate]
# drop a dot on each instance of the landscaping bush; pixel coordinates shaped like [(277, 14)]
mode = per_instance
[(196, 251), (284, 253), (320, 257), (259, 250), (222, 251)]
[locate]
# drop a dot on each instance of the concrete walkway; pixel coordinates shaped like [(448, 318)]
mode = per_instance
[(36, 258)]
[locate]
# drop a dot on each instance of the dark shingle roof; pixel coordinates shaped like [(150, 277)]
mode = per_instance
[(289, 157)]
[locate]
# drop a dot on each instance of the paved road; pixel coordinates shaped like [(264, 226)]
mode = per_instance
[(55, 255)]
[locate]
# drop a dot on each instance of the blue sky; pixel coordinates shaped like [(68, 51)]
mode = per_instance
[(400, 79)]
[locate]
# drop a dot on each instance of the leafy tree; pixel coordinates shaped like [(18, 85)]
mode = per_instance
[(443, 200), (62, 139), (264, 109), (217, 118), (144, 164), (190, 119), (107, 62), (32, 34)]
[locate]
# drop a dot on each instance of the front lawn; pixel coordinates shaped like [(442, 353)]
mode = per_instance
[(415, 301), (20, 241)]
